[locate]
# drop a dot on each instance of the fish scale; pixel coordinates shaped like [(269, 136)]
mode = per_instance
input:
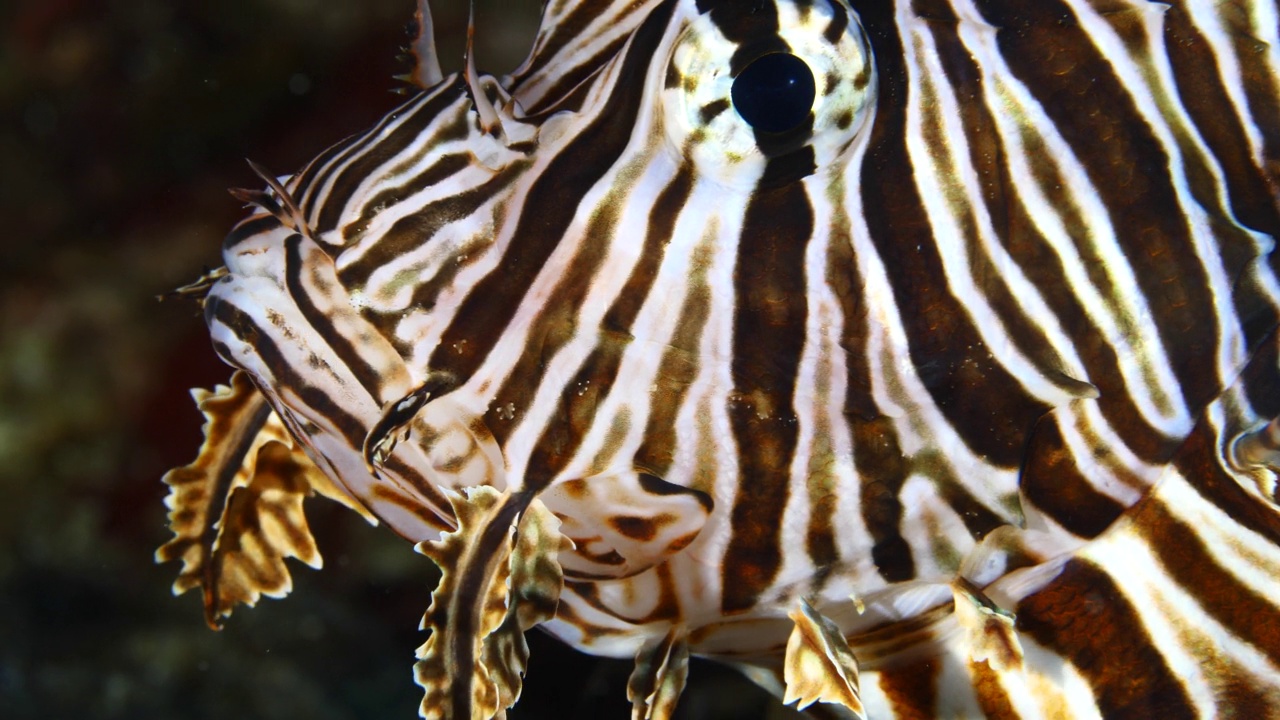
[(945, 384)]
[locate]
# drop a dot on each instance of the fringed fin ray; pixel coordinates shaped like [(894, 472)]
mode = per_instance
[(819, 666), (662, 666), (500, 577), (236, 511)]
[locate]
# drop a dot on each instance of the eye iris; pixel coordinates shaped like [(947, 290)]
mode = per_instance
[(774, 93)]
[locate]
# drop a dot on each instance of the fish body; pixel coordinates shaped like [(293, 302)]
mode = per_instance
[(933, 375)]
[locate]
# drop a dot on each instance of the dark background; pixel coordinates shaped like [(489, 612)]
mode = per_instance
[(121, 125)]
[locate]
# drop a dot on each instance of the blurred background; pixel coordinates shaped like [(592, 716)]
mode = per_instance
[(121, 126)]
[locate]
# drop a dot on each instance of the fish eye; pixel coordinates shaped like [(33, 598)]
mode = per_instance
[(798, 88), (775, 93)]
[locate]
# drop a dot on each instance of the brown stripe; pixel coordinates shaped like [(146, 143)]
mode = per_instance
[(981, 400), (571, 88), (1052, 482), (377, 148), (751, 26), (986, 157), (318, 170), (218, 310), (1260, 380), (1202, 91), (1030, 249), (569, 28), (1240, 693), (679, 365), (1259, 74), (882, 471), (556, 325), (1198, 461), (768, 339), (1247, 192), (348, 354), (580, 399), (661, 230), (991, 695), (550, 206), (1083, 617), (978, 519), (791, 166), (258, 412), (1034, 255), (390, 494), (839, 23), (1042, 266), (880, 463), (1256, 304), (310, 179), (821, 482), (822, 488), (847, 284), (667, 606), (912, 689), (937, 12), (1078, 89), (464, 611), (1044, 269), (1185, 557), (575, 413), (842, 278), (444, 167), (440, 507), (248, 229), (420, 227)]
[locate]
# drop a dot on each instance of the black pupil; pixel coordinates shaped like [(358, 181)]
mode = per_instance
[(775, 93)]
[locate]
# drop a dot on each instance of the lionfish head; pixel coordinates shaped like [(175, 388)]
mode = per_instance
[(914, 357)]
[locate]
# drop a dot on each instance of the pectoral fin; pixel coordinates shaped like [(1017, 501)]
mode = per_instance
[(236, 511), (819, 666), (500, 577), (662, 666)]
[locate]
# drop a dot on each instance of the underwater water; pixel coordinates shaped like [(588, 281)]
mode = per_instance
[(121, 126)]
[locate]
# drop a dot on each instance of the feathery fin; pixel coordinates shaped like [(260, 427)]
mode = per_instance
[(662, 666), (236, 510), (500, 576), (819, 666)]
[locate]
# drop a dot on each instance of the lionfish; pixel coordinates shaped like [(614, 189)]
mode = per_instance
[(916, 357)]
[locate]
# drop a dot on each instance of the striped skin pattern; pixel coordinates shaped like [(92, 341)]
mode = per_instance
[(969, 375)]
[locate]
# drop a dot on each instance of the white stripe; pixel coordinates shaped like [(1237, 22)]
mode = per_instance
[(1128, 329), (936, 182)]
